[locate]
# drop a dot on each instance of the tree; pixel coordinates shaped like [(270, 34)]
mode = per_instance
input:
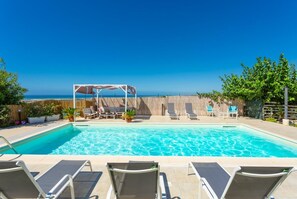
[(2, 63), (11, 91), (215, 96), (265, 81)]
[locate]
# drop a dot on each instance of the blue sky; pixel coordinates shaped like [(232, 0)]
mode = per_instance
[(158, 46)]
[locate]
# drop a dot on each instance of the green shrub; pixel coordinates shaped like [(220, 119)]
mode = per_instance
[(4, 116), (271, 119), (35, 110), (52, 109)]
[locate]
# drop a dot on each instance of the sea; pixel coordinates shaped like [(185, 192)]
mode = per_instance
[(78, 96)]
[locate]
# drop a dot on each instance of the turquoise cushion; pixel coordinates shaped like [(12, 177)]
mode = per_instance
[(233, 108), (209, 108)]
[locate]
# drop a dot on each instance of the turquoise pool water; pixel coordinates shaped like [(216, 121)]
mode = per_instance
[(158, 140)]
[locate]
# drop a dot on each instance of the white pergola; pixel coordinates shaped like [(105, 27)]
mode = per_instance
[(97, 88)]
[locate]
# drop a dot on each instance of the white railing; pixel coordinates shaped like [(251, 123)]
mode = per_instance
[(8, 144)]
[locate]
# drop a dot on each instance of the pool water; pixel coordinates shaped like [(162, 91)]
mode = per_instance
[(158, 140)]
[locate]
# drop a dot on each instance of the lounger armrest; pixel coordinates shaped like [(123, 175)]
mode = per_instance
[(65, 184), (206, 185), (293, 170), (108, 196)]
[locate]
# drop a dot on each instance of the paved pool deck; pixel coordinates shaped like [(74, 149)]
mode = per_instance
[(180, 184)]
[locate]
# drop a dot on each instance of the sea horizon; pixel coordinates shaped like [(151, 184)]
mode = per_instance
[(79, 96)]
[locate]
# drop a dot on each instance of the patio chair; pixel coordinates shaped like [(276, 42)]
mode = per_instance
[(233, 110), (134, 180), (89, 114), (119, 111), (244, 183), (209, 110), (189, 111), (105, 112), (17, 182), (171, 112), (94, 109)]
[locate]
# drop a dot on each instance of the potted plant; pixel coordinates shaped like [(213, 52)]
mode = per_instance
[(53, 112), (70, 113), (35, 113), (129, 115)]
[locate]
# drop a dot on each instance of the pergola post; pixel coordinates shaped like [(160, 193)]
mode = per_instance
[(97, 100), (126, 98), (135, 100), (74, 96), (74, 103)]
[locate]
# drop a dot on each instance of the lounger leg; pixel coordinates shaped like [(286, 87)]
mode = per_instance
[(90, 165), (159, 193), (2, 196), (199, 189), (109, 192), (189, 165), (71, 185), (199, 184)]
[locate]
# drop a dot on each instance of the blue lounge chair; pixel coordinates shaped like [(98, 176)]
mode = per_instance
[(233, 110), (209, 110)]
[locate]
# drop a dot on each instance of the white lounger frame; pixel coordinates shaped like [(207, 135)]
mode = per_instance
[(189, 115), (204, 184), (42, 194)]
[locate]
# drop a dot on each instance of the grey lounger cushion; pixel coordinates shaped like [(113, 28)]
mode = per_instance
[(215, 175), (253, 187), (246, 183), (189, 110), (20, 183), (171, 111), (140, 185), (57, 172)]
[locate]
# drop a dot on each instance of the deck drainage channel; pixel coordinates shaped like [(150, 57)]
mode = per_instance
[(229, 126)]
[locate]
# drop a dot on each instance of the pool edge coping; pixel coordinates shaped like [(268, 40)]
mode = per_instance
[(33, 135)]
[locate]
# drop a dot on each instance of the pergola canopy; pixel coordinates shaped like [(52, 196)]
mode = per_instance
[(89, 88), (97, 88)]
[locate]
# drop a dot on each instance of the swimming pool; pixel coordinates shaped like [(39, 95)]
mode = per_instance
[(157, 140)]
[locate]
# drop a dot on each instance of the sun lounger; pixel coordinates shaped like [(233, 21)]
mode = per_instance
[(17, 182), (171, 112), (244, 183), (189, 111), (233, 110), (88, 113), (134, 180)]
